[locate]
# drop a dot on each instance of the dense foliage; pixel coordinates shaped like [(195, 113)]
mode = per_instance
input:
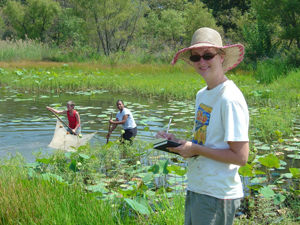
[(98, 28)]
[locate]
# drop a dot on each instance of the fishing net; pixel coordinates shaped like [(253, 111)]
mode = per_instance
[(64, 141)]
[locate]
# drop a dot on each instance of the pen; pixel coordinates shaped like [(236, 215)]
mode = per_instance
[(169, 124)]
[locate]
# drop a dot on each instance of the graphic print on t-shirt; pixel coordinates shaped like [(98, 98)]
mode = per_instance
[(201, 123)]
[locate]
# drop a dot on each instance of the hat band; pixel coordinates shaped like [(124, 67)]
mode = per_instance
[(206, 43)]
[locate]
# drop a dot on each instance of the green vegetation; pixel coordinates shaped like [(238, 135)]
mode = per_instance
[(272, 107), (115, 184), (128, 45), (148, 31), (90, 186), (105, 185)]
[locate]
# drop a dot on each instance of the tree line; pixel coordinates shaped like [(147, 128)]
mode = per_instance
[(268, 29)]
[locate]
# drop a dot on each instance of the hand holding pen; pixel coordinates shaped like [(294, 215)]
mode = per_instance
[(169, 125), (166, 135)]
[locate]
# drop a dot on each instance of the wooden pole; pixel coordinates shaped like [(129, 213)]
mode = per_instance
[(109, 125)]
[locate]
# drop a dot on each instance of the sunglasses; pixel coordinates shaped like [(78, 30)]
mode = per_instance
[(206, 56)]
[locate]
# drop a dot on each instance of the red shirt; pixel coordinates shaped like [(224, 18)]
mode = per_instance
[(72, 119)]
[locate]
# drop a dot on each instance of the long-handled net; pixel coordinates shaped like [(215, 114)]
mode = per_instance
[(66, 141)]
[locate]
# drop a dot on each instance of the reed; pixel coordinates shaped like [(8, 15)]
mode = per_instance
[(43, 202), (12, 50), (18, 50)]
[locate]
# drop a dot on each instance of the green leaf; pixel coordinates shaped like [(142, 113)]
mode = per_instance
[(138, 207), (255, 187), (177, 170), (33, 165), (181, 172), (84, 156), (294, 156), (246, 171), (163, 166), (148, 177), (143, 123), (68, 154), (128, 192), (73, 165), (51, 176), (97, 188), (295, 172), (31, 172), (154, 169), (267, 192), (278, 198), (287, 175), (259, 172), (270, 161), (45, 161)]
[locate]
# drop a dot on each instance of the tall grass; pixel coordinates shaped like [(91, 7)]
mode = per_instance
[(17, 50), (43, 202), (270, 70), (33, 200)]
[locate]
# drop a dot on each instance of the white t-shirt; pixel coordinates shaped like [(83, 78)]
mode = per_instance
[(130, 123), (221, 115)]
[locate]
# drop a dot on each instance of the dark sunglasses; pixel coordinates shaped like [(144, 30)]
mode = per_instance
[(206, 56)]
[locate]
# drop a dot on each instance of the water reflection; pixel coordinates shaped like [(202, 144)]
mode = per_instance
[(26, 126)]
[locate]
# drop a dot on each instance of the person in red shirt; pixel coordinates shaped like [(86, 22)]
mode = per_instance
[(73, 117)]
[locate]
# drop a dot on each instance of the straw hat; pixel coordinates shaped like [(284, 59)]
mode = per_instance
[(207, 37)]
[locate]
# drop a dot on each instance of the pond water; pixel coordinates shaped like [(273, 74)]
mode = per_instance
[(26, 126)]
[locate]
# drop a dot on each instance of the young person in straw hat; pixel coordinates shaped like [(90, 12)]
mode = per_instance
[(220, 143)]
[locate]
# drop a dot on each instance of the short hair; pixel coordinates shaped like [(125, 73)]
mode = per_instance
[(71, 103), (120, 101)]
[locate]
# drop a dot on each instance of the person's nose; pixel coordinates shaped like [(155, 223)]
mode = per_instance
[(201, 61)]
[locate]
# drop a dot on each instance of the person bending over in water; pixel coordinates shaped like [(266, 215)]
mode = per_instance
[(73, 117), (125, 118)]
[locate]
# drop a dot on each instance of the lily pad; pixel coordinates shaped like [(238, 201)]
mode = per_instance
[(294, 156)]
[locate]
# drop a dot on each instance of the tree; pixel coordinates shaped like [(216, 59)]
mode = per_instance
[(33, 18), (198, 15), (160, 5), (68, 29), (169, 28), (111, 23), (223, 11), (286, 13), (172, 24), (177, 27), (254, 33)]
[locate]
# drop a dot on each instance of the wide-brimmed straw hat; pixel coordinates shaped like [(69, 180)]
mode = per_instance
[(207, 37)]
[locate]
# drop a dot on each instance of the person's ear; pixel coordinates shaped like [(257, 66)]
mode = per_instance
[(222, 54)]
